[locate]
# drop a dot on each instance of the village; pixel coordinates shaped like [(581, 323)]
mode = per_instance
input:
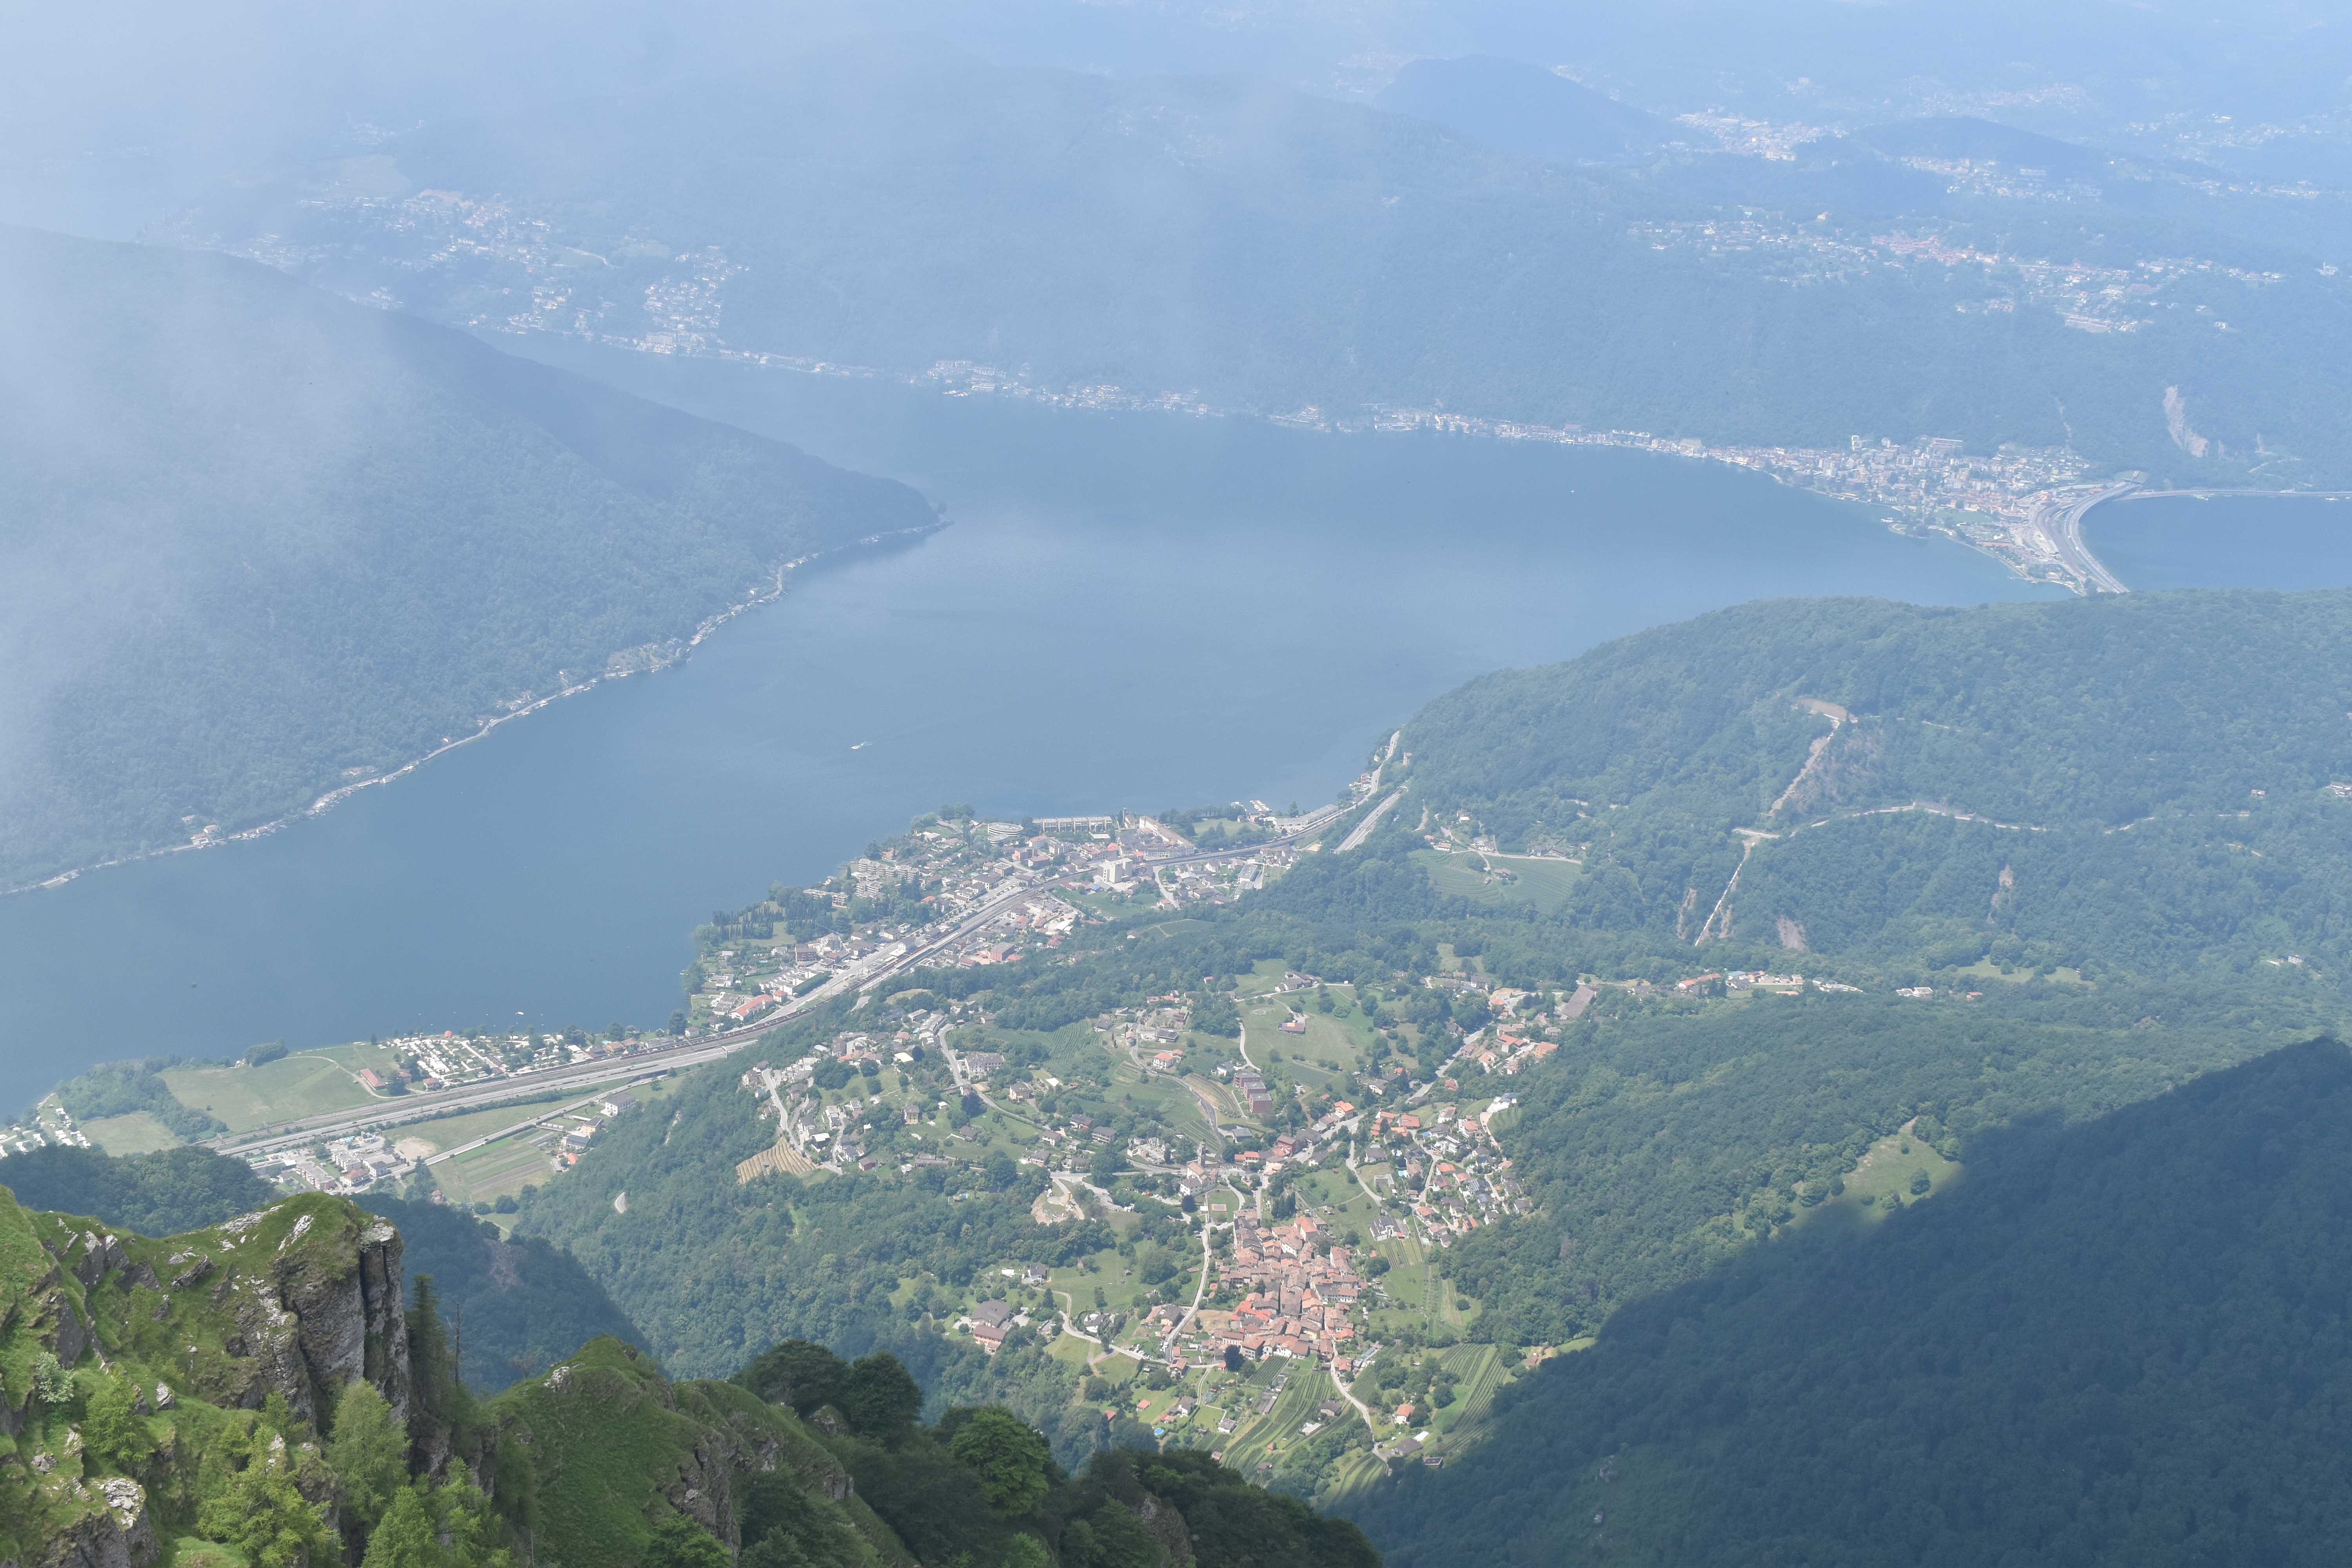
[(1281, 1160)]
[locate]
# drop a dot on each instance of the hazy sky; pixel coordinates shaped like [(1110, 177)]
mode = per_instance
[(113, 108)]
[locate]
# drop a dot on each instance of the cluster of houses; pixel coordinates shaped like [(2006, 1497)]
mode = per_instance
[(971, 865), (1447, 1168), (47, 1126), (992, 1320), (1300, 1289)]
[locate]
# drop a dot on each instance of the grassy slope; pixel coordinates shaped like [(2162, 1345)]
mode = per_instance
[(609, 1433)]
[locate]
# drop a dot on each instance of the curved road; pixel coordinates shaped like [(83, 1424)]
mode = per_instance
[(2060, 520)]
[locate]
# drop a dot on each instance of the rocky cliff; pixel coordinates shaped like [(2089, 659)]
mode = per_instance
[(124, 1360)]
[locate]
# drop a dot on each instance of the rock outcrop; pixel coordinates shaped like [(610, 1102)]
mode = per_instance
[(112, 1529), (297, 1300)]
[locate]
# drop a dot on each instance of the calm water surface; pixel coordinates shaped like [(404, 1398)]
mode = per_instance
[(2227, 542), (1129, 611)]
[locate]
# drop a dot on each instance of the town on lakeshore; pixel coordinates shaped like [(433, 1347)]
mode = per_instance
[(2018, 504)]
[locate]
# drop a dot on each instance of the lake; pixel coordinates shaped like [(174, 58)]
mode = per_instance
[(1130, 610), (2223, 541)]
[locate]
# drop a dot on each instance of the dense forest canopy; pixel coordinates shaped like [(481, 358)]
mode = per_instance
[(2147, 781), (257, 542)]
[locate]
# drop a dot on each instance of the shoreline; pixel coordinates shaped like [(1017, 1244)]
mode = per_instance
[(1991, 509), (340, 792)]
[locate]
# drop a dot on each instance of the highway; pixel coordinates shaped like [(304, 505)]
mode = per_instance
[(1363, 829), (2061, 522), (398, 1109), (576, 1078)]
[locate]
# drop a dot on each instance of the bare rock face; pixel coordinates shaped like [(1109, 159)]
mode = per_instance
[(313, 1330), (70, 1338), (704, 1493), (384, 1343), (99, 1253), (115, 1533)]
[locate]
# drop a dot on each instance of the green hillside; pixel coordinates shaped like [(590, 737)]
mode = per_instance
[(257, 542), (2116, 1344), (713, 1269), (2134, 784), (898, 205)]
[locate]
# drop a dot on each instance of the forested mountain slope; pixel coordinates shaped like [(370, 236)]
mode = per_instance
[(257, 542), (2118, 1343), (2143, 783), (1662, 1144), (893, 205)]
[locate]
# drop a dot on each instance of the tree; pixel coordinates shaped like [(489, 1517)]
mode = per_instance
[(797, 1374), (1010, 1458), (51, 1379), (428, 1346), (1025, 1550), (111, 1429), (1217, 1015), (405, 1537), (883, 1398), (367, 1453), (258, 1510), (463, 1516), (679, 1543), (1111, 1538)]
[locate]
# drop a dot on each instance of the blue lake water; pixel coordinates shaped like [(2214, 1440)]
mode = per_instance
[(2224, 542), (1128, 611)]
